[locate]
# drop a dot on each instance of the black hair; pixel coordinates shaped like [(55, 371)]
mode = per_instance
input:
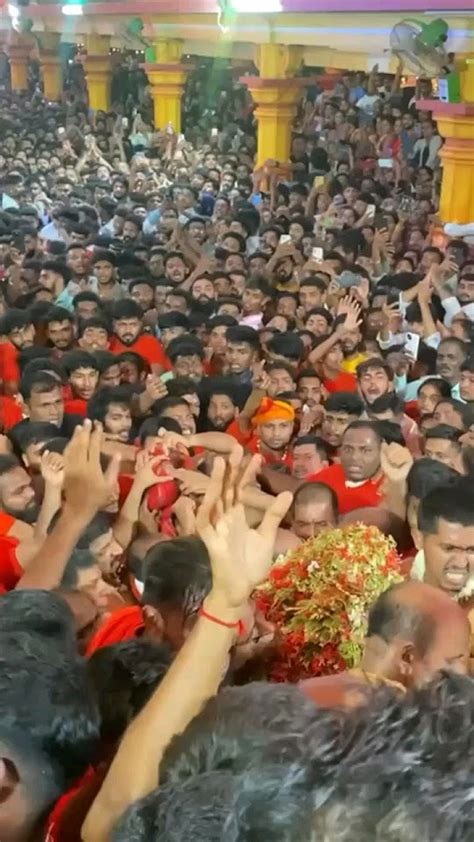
[(390, 432), (287, 345), (149, 282), (184, 346), (73, 360), (365, 425), (124, 676), (386, 402), (41, 613), (443, 431), (320, 311), (64, 720), (281, 364), (317, 441), (31, 432), (463, 409), (94, 321), (40, 382), (173, 319), (370, 365), (136, 359), (100, 401), (13, 320), (316, 283), (347, 402), (452, 503), (242, 333), (58, 314), (127, 308), (86, 295), (177, 573), (443, 387), (59, 268), (152, 426), (179, 386), (34, 359), (104, 359), (427, 474), (221, 320)]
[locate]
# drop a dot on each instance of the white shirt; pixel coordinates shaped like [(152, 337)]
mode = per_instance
[(452, 307)]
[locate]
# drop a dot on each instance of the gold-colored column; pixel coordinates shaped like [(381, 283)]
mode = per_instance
[(19, 48), (51, 65), (98, 68), (167, 77), (276, 92)]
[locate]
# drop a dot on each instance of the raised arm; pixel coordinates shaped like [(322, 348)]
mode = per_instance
[(240, 560)]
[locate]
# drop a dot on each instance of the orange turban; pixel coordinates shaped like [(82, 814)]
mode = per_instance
[(270, 410)]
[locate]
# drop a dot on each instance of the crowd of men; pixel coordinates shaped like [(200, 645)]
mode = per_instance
[(202, 366)]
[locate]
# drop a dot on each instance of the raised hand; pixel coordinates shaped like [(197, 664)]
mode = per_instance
[(395, 462), (155, 388), (52, 469), (87, 488), (240, 556)]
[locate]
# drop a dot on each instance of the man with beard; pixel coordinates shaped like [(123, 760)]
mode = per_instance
[(351, 343), (204, 295), (127, 319), (222, 408), (19, 510)]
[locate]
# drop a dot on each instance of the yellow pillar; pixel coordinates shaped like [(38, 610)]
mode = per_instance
[(51, 66), (19, 51), (98, 68), (276, 92), (167, 77), (456, 124)]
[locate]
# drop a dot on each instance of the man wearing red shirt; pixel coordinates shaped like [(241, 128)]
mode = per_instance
[(358, 478), (129, 336), (83, 376), (18, 331)]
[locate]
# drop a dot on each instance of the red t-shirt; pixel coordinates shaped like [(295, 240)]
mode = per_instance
[(123, 624), (344, 382), (350, 496), (148, 347), (11, 412), (75, 406), (9, 370)]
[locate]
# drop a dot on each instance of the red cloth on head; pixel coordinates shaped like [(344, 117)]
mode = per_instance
[(349, 497), (124, 624)]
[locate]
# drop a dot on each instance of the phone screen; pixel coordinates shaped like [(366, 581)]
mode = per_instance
[(386, 163), (317, 253), (285, 238)]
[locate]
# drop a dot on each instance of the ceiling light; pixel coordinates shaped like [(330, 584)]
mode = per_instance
[(73, 9), (260, 8)]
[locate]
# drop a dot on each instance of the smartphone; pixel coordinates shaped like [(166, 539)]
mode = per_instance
[(348, 279), (285, 238), (319, 181), (412, 344), (370, 212), (386, 163), (125, 122), (214, 132), (317, 253)]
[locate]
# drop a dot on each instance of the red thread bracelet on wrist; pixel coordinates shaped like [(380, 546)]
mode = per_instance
[(239, 625)]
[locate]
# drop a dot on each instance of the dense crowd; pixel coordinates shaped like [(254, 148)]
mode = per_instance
[(213, 377)]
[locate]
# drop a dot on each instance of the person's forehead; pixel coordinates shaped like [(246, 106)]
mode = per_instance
[(82, 371), (359, 436)]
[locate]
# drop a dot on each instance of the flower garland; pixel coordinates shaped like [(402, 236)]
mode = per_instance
[(318, 596)]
